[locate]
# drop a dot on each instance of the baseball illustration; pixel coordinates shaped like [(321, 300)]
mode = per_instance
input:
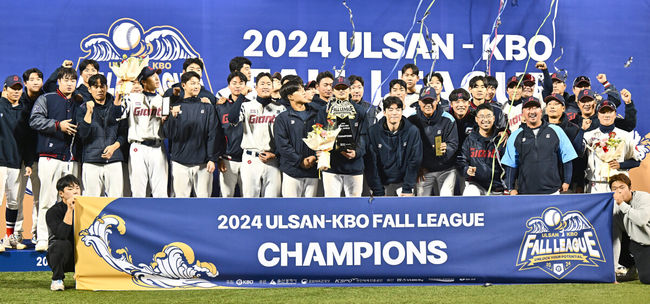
[(126, 36), (552, 218)]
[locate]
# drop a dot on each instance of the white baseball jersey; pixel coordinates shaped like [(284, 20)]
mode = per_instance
[(258, 123), (514, 115), (145, 116), (597, 169)]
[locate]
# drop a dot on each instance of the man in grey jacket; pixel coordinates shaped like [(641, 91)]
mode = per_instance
[(632, 216)]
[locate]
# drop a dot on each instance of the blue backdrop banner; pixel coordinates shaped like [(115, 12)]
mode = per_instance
[(133, 243)]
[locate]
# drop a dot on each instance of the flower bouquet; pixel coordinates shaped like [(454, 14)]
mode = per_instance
[(606, 149), (322, 140), (127, 71)]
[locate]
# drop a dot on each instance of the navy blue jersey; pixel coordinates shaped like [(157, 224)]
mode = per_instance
[(232, 132), (14, 135), (102, 131), (440, 124), (193, 133), (288, 131), (48, 112), (482, 153), (538, 158)]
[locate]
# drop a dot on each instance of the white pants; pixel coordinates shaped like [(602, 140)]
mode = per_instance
[(299, 187), (474, 189), (393, 189), (333, 184), (442, 183), (102, 178), (195, 177), (50, 170), (36, 188), (147, 166), (9, 184), (259, 179), (228, 180), (126, 181)]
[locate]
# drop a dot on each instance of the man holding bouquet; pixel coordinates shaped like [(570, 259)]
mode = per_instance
[(610, 150)]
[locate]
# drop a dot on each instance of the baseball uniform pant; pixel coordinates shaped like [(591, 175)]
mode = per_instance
[(194, 177), (50, 170), (598, 187), (147, 166), (36, 187), (9, 184), (259, 179), (474, 189), (102, 178), (299, 187), (441, 183), (228, 180), (393, 189), (335, 183)]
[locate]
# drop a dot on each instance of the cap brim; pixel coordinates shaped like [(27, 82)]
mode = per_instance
[(341, 86), (427, 100), (610, 108), (550, 98), (586, 83), (531, 104)]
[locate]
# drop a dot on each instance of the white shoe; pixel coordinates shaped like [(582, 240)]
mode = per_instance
[(5, 242), (57, 285), (34, 240), (41, 246), (14, 241)]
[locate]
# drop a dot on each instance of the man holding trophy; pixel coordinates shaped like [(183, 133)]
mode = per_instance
[(346, 160), (145, 112)]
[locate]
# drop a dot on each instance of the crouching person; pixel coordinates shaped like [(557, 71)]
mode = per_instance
[(60, 253)]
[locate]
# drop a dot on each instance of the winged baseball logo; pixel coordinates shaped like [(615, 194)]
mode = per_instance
[(642, 145), (166, 47), (557, 243)]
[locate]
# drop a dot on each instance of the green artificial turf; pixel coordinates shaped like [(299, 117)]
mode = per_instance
[(33, 287)]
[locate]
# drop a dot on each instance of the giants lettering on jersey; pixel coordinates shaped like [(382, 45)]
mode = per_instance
[(256, 119), (138, 111), (481, 153)]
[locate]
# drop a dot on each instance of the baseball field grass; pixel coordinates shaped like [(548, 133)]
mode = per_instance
[(33, 287)]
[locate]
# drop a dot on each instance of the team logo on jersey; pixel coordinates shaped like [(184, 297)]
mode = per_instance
[(175, 266), (557, 243), (166, 47)]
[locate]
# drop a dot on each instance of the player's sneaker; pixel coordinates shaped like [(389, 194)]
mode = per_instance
[(41, 246), (630, 275), (57, 285), (14, 242), (5, 242), (34, 240)]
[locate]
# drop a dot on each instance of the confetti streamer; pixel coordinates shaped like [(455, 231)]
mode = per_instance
[(628, 62), (340, 71), (495, 25)]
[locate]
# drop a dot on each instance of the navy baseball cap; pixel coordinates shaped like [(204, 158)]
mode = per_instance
[(558, 97), (311, 84), (606, 104), (341, 83), (427, 95), (148, 72), (512, 79), (531, 102), (13, 80), (586, 93), (528, 79), (558, 77), (581, 81)]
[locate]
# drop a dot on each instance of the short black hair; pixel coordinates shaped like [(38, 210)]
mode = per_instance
[(392, 100), (620, 178), (289, 88), (393, 82), (295, 78), (188, 75), (323, 75), (491, 81), (237, 63), (277, 76), (65, 72), (425, 81), (190, 61), (475, 79), (67, 181), (86, 62), (354, 78), (29, 73), (93, 80), (239, 74), (262, 75), (413, 67), (485, 106), (459, 93)]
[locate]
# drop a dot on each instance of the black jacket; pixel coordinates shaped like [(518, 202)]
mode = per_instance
[(48, 112), (102, 131), (232, 133), (481, 152), (396, 156), (14, 136), (358, 127), (440, 124), (57, 228), (288, 131), (174, 99), (194, 133)]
